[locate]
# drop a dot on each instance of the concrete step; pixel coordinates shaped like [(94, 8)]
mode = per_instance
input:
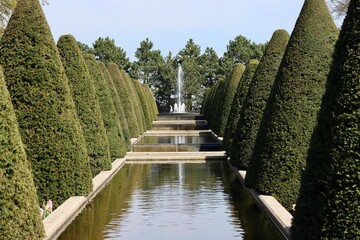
[(180, 116), (180, 125), (178, 156), (177, 132)]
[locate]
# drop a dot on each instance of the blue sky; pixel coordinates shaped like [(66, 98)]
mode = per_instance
[(169, 24)]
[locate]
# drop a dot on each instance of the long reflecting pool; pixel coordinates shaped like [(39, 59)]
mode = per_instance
[(172, 201)]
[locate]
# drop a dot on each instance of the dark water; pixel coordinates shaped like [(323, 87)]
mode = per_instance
[(172, 201), (208, 138)]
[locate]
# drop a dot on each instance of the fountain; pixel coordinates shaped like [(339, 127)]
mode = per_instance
[(179, 107)]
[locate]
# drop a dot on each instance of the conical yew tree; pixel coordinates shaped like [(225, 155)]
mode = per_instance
[(328, 205), (19, 211), (233, 123), (144, 103), (149, 98), (218, 103), (135, 100), (126, 99), (152, 101), (86, 102), (209, 106), (117, 104), (229, 93), (256, 99), (290, 116), (49, 126), (111, 120)]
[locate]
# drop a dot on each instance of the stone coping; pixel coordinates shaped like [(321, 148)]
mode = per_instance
[(176, 132), (176, 122), (275, 211), (58, 220), (175, 156)]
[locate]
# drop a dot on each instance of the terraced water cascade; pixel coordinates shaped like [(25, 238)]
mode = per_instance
[(176, 184)]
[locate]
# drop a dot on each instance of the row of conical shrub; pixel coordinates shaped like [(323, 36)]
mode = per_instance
[(62, 120), (296, 115)]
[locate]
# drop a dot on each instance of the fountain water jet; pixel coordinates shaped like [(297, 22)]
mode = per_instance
[(179, 107)]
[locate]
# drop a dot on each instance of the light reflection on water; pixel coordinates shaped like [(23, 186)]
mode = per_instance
[(206, 138), (172, 201)]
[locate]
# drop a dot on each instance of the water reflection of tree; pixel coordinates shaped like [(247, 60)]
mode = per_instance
[(244, 209), (110, 204), (106, 214)]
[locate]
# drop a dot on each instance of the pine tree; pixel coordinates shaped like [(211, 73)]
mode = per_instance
[(290, 116), (49, 126), (328, 204), (257, 97), (233, 124), (111, 119), (126, 99), (86, 103), (19, 211), (117, 104)]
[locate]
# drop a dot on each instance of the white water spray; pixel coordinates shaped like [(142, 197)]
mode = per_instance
[(179, 107)]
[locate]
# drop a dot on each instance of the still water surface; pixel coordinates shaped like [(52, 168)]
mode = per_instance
[(172, 201)]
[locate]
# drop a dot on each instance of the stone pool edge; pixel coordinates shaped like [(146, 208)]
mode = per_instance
[(280, 217), (59, 220)]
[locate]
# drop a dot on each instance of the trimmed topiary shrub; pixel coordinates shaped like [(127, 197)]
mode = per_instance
[(205, 102), (127, 101), (218, 103), (86, 103), (41, 96), (209, 106), (111, 119), (256, 99), (328, 204), (135, 100), (19, 211), (144, 103), (290, 116), (229, 93), (152, 101), (148, 99), (233, 124), (117, 104)]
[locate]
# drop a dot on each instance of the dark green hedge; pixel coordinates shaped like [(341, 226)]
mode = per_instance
[(111, 119), (135, 100), (117, 104), (205, 102), (256, 99), (291, 114), (328, 205), (148, 99), (229, 93), (126, 99), (19, 207), (86, 103), (232, 125), (144, 104), (152, 101), (218, 103), (210, 106), (49, 126)]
